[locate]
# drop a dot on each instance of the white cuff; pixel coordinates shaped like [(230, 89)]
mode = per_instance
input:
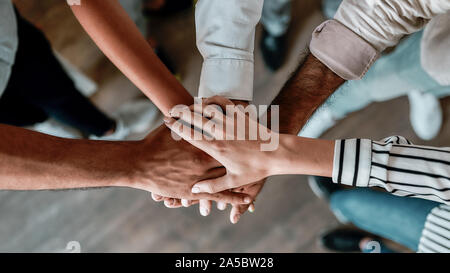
[(230, 78)]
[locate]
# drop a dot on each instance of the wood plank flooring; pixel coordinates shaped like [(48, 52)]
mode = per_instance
[(288, 217)]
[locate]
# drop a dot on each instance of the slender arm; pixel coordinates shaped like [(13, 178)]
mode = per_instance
[(120, 40), (307, 156), (394, 164)]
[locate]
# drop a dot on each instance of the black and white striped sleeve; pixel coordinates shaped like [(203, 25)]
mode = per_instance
[(395, 164)]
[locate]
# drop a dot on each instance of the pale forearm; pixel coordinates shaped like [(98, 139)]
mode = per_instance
[(120, 40), (306, 156), (34, 161)]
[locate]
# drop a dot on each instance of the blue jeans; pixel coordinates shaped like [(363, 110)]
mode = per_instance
[(400, 219), (391, 76)]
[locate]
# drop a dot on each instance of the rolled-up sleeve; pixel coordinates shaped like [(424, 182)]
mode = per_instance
[(396, 165), (225, 38), (8, 41), (361, 29)]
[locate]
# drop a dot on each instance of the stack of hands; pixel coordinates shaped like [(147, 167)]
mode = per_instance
[(211, 169), (213, 163)]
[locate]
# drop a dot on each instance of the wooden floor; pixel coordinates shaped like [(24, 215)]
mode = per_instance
[(288, 217)]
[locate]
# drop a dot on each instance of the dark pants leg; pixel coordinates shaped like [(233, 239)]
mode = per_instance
[(40, 88)]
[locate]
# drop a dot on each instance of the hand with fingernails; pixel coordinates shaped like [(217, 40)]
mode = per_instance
[(205, 206), (244, 161), (172, 168)]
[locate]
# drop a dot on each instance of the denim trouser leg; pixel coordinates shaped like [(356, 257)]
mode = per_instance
[(329, 7), (276, 16), (400, 219), (393, 75)]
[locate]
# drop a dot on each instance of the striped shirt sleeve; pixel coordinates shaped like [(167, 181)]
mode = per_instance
[(396, 165), (436, 233)]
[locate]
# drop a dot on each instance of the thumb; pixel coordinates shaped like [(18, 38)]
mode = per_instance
[(213, 185)]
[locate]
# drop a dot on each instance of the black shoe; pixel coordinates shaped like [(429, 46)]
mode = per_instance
[(322, 187), (170, 7), (344, 239), (273, 50)]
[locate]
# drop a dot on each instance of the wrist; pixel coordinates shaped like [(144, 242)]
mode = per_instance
[(283, 157), (297, 155), (132, 166), (111, 164)]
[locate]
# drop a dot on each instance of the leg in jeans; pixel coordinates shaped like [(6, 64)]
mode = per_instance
[(40, 88), (276, 16), (393, 75), (400, 219)]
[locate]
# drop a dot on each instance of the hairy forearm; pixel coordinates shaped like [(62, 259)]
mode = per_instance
[(120, 40), (34, 161), (305, 91)]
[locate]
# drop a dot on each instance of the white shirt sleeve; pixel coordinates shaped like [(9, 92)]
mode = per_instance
[(361, 29), (8, 41), (225, 38), (383, 23)]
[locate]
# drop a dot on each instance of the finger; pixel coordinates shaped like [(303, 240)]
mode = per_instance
[(221, 101), (194, 202), (168, 202), (205, 207), (214, 112), (226, 197), (213, 173), (202, 124), (157, 198), (172, 203), (187, 134), (214, 185), (221, 205), (187, 203), (178, 109), (177, 204), (251, 208), (235, 215), (238, 210)]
